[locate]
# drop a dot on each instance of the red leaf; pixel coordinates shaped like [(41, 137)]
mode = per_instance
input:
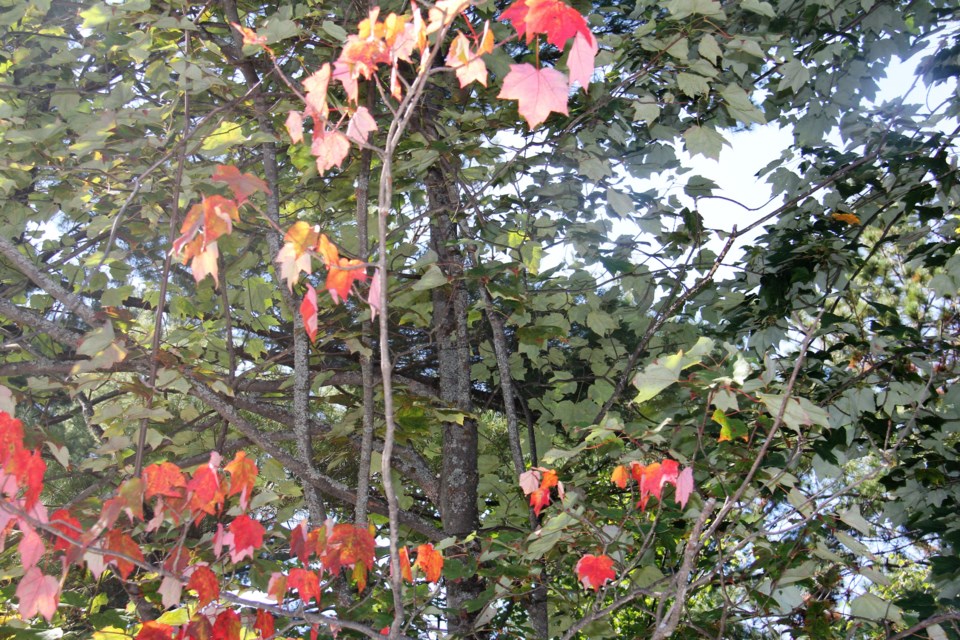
[(204, 581), (558, 20), (11, 437), (199, 628), (164, 479), (38, 594), (118, 541), (308, 311), (153, 630), (430, 561), (227, 626), (668, 472), (537, 92), (247, 537), (307, 584), (620, 476), (70, 527), (206, 492), (539, 499), (243, 475), (265, 624), (594, 571)]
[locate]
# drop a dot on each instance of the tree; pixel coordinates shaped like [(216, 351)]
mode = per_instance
[(687, 453)]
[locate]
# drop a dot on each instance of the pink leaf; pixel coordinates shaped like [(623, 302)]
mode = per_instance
[(294, 126), (38, 594), (170, 590), (341, 72), (361, 124), (373, 298), (537, 92), (330, 148), (580, 60), (684, 487), (31, 546), (308, 311), (529, 481)]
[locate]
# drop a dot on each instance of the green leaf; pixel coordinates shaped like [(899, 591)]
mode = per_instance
[(431, 279), (739, 105), (703, 141), (692, 84)]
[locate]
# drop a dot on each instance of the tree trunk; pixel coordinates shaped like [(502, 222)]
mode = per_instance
[(459, 475)]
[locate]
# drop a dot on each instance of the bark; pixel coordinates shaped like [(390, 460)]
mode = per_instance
[(459, 475)]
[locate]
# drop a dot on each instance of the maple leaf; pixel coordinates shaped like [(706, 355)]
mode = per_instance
[(38, 593), (340, 278), (265, 624), (70, 527), (468, 65), (539, 499), (348, 546), (242, 185), (430, 561), (204, 581), (153, 630), (294, 126), (620, 476), (199, 628), (330, 148), (250, 36), (30, 547), (373, 297), (308, 311), (204, 262), (11, 436), (362, 55), (117, 540), (227, 626), (247, 537), (405, 570), (668, 472), (29, 471), (650, 484), (516, 14), (849, 218), (580, 60), (170, 591), (593, 571), (549, 479), (164, 479), (558, 20), (277, 587), (327, 250), (360, 125), (206, 492), (243, 475), (307, 584), (684, 487), (538, 92), (294, 256), (342, 73), (316, 98), (530, 481), (298, 543), (130, 497), (444, 12)]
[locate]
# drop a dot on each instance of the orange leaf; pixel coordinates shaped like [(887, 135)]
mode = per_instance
[(164, 479), (327, 250), (341, 278), (204, 581), (118, 541), (537, 92), (243, 474), (242, 185), (347, 546), (594, 571), (620, 476), (206, 494), (430, 561), (405, 571)]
